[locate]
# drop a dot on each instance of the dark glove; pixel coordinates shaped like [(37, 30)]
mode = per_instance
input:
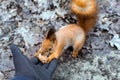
[(31, 69)]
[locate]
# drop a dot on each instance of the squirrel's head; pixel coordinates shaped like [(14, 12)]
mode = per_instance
[(48, 43)]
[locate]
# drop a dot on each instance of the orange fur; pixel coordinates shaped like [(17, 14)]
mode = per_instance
[(73, 34), (86, 12)]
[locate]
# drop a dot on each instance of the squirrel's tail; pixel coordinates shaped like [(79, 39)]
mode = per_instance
[(86, 12)]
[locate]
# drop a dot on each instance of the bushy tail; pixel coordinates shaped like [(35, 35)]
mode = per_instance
[(86, 12)]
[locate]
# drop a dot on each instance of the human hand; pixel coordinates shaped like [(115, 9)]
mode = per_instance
[(31, 69)]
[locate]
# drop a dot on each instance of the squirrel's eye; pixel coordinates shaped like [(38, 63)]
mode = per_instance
[(50, 49)]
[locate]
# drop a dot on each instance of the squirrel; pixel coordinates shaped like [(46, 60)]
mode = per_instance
[(71, 35)]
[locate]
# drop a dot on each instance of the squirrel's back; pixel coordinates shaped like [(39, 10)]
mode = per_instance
[(86, 12)]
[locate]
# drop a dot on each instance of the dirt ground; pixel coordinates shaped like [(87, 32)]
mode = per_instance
[(25, 23)]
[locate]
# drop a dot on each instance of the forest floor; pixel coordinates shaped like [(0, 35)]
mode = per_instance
[(25, 23)]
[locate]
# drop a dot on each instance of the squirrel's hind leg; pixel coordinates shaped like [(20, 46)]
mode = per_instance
[(77, 46)]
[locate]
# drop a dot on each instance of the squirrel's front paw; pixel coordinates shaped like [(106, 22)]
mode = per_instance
[(48, 60), (74, 55), (44, 61), (36, 54), (42, 58)]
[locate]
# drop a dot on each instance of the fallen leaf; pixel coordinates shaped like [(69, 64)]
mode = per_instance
[(115, 41)]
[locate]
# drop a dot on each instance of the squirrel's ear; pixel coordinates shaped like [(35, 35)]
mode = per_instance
[(50, 33)]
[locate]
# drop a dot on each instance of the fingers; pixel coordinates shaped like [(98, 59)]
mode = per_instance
[(15, 50), (18, 58), (35, 60), (46, 65), (23, 66), (52, 66)]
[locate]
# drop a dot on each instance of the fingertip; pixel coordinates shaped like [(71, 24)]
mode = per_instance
[(12, 46), (15, 50), (54, 61), (35, 60), (52, 65)]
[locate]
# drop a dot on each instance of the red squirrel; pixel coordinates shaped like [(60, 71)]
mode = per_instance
[(70, 35)]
